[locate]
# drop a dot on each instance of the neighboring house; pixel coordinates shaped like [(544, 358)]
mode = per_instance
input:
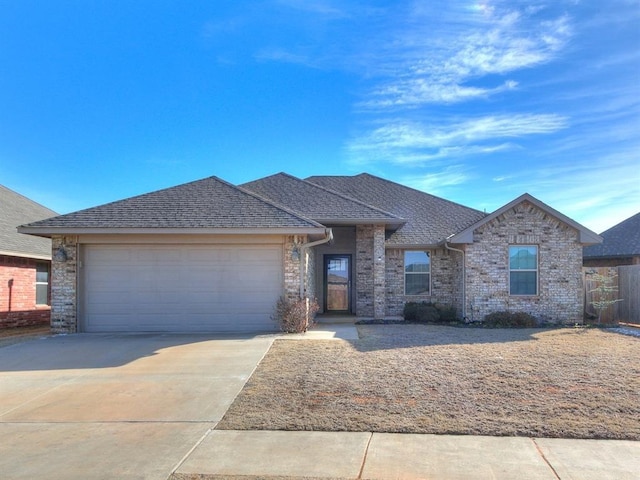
[(621, 246), (211, 256), (25, 263)]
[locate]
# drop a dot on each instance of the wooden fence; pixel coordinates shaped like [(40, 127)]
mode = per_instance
[(625, 282)]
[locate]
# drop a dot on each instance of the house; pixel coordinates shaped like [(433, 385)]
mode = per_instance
[(212, 256), (620, 246), (25, 263)]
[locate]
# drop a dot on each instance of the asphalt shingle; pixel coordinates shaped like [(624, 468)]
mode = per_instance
[(317, 202), (621, 240), (16, 209), (430, 219), (206, 203)]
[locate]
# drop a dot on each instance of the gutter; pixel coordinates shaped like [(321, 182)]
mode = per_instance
[(328, 237), (464, 275)]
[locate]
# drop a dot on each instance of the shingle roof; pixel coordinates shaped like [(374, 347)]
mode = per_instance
[(207, 203), (621, 240), (430, 219), (317, 202), (15, 210)]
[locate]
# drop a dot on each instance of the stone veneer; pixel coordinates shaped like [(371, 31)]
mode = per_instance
[(64, 299), (370, 271), (559, 298), (292, 268), (446, 280)]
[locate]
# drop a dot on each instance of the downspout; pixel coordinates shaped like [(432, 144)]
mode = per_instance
[(464, 276), (328, 237)]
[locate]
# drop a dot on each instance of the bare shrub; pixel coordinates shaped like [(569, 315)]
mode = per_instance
[(295, 316)]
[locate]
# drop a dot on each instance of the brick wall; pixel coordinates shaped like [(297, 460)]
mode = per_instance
[(370, 271), (446, 280), (63, 285), (292, 267), (559, 298), (18, 293)]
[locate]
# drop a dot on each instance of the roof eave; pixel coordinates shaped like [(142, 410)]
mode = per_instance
[(36, 256), (48, 232), (413, 246), (396, 222)]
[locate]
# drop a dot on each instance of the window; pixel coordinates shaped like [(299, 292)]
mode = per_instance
[(523, 270), (42, 283), (417, 273)]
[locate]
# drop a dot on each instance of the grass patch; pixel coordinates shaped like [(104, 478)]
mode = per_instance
[(568, 383)]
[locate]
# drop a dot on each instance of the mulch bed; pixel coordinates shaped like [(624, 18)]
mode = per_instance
[(569, 383)]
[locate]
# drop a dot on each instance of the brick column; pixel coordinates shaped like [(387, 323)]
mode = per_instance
[(64, 292), (292, 274), (370, 271), (379, 277)]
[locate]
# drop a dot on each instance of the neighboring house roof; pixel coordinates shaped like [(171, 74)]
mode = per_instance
[(210, 205), (586, 235), (621, 240), (15, 210), (319, 203), (429, 219)]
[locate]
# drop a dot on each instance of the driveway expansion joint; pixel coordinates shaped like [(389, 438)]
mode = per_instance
[(542, 455)]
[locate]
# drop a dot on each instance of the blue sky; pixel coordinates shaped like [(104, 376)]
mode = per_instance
[(474, 101)]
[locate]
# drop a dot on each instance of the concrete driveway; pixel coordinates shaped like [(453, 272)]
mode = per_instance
[(116, 406)]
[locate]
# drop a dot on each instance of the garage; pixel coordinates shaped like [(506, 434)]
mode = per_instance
[(179, 288)]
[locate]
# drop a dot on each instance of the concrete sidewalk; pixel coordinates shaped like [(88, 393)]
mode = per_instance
[(343, 455)]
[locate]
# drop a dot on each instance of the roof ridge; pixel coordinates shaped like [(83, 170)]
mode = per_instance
[(275, 204), (182, 186), (351, 199), (140, 195)]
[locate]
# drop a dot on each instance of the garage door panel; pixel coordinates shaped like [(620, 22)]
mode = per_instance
[(186, 288)]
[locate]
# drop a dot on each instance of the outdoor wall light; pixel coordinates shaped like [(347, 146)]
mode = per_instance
[(60, 255), (295, 253)]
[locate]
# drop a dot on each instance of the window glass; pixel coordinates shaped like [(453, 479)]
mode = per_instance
[(417, 268), (42, 283), (523, 270)]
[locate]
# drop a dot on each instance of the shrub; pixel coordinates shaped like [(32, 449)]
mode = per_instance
[(427, 312), (296, 316), (509, 319), (447, 313), (422, 312)]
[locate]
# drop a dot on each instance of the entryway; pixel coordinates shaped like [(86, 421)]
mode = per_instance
[(337, 284)]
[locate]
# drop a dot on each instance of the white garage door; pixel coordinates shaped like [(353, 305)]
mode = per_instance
[(179, 288)]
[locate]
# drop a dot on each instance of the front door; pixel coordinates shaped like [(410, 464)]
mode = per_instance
[(337, 283)]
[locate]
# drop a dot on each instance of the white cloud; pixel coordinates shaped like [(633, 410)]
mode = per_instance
[(414, 143), (598, 193), (440, 67), (437, 182)]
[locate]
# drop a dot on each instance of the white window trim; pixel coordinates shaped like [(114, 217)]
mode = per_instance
[(536, 270), (405, 273), (43, 283)]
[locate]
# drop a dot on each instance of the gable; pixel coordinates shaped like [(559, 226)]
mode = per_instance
[(585, 235), (203, 205)]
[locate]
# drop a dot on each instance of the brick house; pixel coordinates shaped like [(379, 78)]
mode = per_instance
[(212, 256), (25, 263)]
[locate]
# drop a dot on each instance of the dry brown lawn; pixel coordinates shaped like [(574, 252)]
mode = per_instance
[(571, 383)]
